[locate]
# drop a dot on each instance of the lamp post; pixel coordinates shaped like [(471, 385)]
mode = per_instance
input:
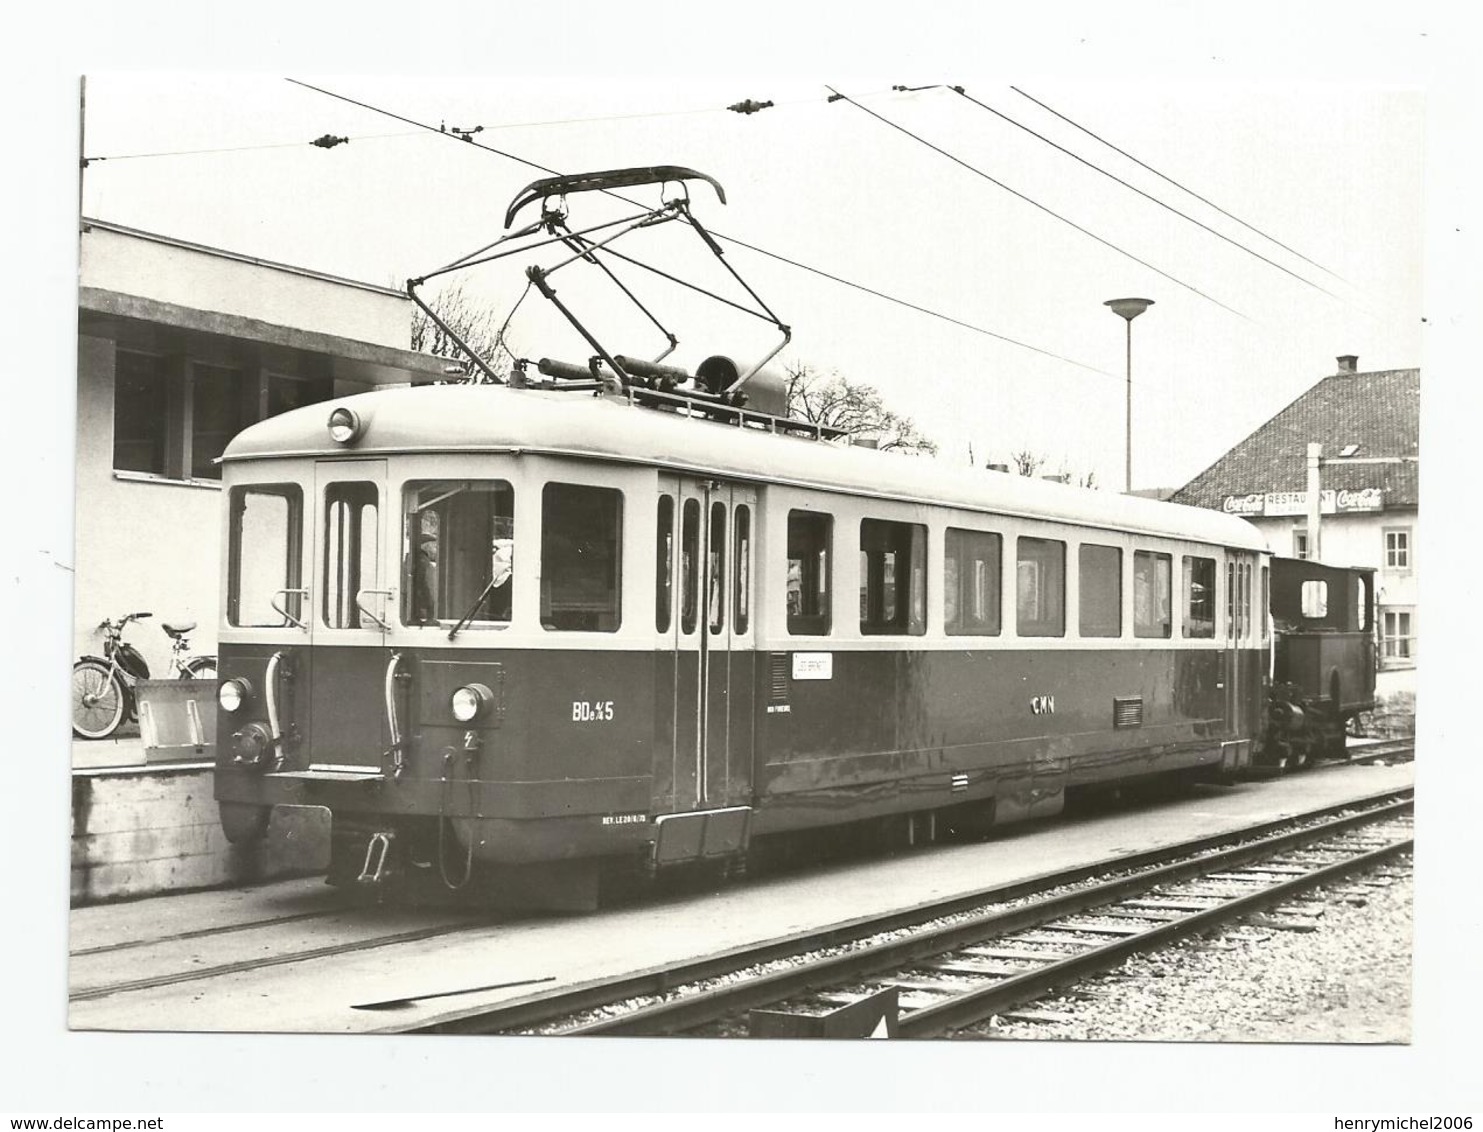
[(1128, 310)]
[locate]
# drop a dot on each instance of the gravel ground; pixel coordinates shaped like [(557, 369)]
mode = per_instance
[(1347, 981)]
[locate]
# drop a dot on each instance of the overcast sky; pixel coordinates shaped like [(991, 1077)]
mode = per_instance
[(1306, 120), (1240, 326)]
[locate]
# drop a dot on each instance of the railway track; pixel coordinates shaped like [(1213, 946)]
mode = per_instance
[(960, 960)]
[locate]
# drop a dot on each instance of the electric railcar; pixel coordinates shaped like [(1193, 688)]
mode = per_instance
[(509, 636)]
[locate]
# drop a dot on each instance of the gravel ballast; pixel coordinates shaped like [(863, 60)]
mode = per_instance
[(1347, 979)]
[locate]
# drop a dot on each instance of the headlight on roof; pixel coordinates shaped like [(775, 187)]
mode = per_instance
[(344, 425)]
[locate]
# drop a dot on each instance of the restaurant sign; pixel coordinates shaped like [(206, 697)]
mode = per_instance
[(1341, 501)]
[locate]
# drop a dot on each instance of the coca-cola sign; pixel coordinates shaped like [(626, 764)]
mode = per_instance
[(1341, 501)]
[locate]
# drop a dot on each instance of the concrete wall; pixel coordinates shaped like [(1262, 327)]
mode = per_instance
[(143, 832), (210, 280), (141, 545)]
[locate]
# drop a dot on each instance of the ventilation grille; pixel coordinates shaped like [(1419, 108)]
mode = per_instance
[(1127, 711), (779, 676)]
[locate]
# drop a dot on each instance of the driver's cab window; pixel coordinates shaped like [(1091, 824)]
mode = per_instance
[(459, 554)]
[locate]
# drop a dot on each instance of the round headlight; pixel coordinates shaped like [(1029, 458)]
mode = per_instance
[(233, 694), (470, 701), (344, 425)]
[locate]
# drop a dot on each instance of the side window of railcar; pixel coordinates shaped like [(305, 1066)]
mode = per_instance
[(715, 571), (1152, 604), (1100, 587), (971, 572), (458, 553), (809, 538), (1040, 587), (689, 566), (1199, 596), (264, 555), (893, 577), (351, 542), (741, 570), (581, 557), (664, 549)]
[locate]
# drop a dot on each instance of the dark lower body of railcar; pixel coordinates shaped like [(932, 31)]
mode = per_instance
[(580, 759)]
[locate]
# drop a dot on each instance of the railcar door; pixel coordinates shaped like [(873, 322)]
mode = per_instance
[(1240, 625), (353, 600), (704, 619)]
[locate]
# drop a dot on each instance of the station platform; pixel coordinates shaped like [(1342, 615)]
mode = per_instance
[(318, 994)]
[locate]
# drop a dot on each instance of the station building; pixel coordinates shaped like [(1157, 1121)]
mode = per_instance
[(1368, 428), (180, 347)]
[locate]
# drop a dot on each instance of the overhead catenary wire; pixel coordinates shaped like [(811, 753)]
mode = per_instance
[(238, 148), (723, 236), (1178, 185), (1146, 195), (1043, 208)]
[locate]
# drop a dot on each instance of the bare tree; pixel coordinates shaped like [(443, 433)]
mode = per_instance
[(1025, 462), (854, 407), (477, 323)]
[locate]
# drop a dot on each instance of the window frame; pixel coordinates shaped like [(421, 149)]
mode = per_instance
[(1150, 631), (897, 608), (1402, 551), (818, 623), (293, 572), (1190, 625), (1053, 625), (961, 587), (1082, 574), (411, 542), (545, 603)]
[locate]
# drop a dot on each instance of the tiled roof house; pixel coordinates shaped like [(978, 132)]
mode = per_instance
[(1369, 427)]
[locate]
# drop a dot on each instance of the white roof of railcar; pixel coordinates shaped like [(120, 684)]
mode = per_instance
[(493, 418)]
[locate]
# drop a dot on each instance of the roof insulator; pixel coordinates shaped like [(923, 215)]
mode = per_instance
[(749, 106), (328, 141)]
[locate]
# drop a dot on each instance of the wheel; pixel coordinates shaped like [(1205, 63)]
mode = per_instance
[(98, 700), (199, 668)]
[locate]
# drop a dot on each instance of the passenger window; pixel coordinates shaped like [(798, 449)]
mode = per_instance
[(1315, 598), (459, 563), (1266, 603), (689, 557), (741, 571), (893, 577), (1199, 597), (971, 582), (1152, 599), (664, 549), (264, 553), (809, 537), (1100, 586), (350, 541), (716, 568), (1040, 587), (581, 558)]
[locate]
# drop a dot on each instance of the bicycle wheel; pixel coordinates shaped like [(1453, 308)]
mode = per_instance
[(98, 700), (199, 668)]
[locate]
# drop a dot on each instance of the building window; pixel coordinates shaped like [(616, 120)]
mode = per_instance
[(1398, 636), (809, 536), (893, 577), (1398, 548), (970, 579), (173, 417), (1101, 588), (1300, 542), (1152, 604), (1040, 588)]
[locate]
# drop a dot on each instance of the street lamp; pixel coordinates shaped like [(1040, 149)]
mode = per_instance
[(1129, 309)]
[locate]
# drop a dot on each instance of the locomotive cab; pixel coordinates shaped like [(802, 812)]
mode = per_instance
[(1323, 660)]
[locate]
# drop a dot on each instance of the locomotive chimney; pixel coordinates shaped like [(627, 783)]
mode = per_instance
[(1348, 363)]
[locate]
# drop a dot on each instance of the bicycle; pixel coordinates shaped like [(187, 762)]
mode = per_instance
[(103, 687)]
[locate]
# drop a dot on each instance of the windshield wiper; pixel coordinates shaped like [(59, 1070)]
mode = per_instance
[(473, 609)]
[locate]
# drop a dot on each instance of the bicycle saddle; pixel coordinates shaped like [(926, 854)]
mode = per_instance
[(177, 628)]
